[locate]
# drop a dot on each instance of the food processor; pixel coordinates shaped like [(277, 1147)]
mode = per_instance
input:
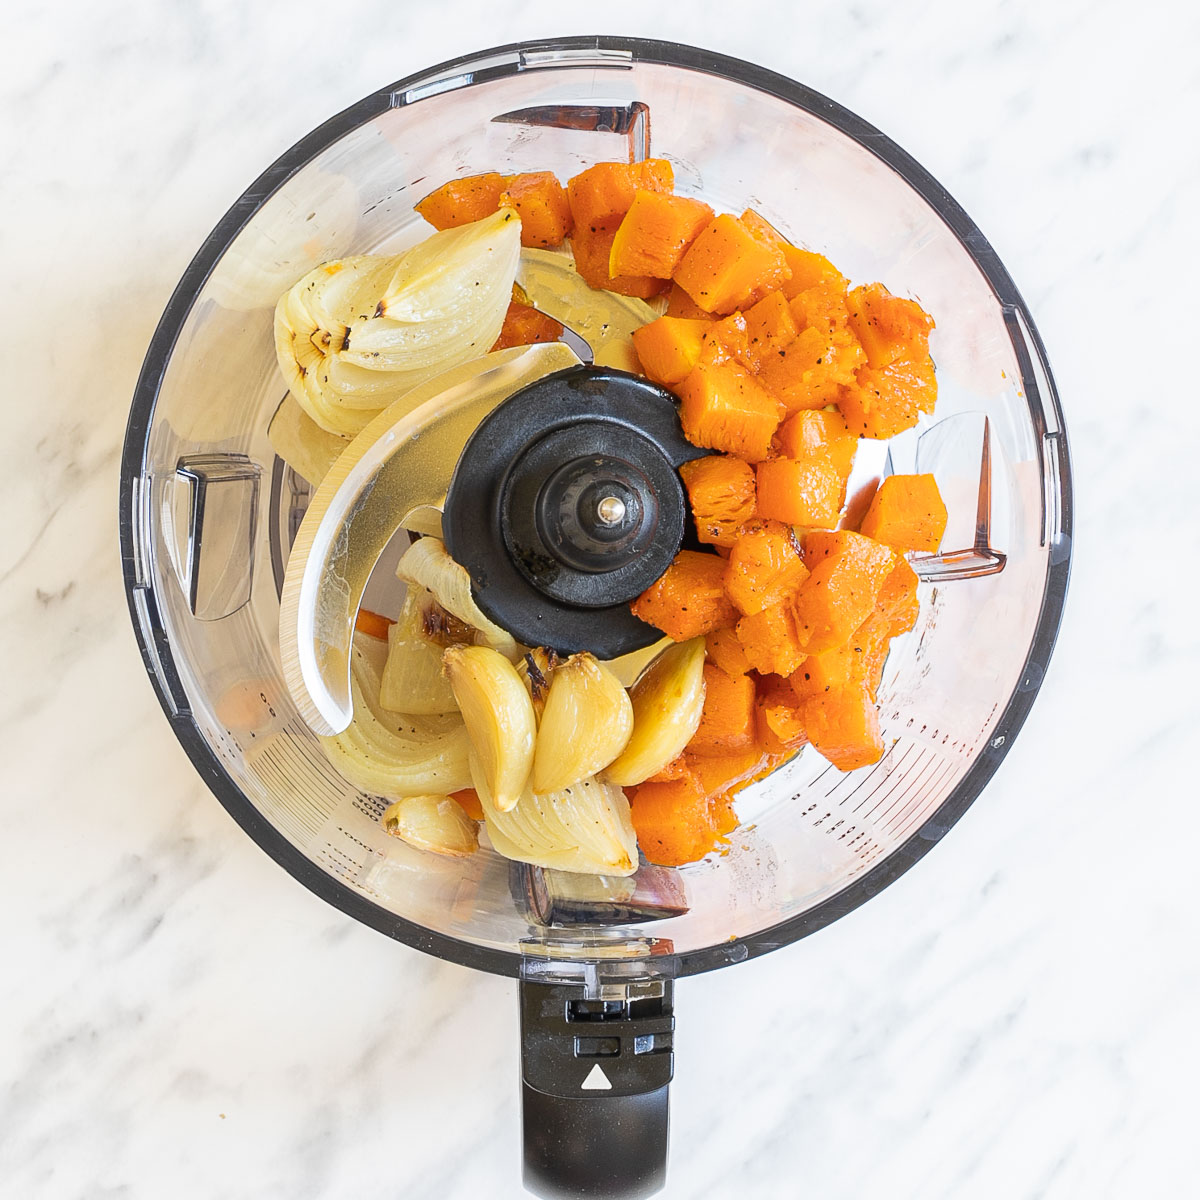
[(209, 514)]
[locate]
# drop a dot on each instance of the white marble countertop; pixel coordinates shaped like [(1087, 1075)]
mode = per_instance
[(1014, 1018)]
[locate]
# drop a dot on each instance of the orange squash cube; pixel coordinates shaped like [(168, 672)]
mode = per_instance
[(770, 327), (771, 639), (670, 347), (541, 203), (764, 567), (677, 768), (724, 408), (592, 247), (888, 327), (721, 774), (727, 722), (461, 201), (807, 269), (812, 371), (805, 491), (907, 513), (843, 726), (723, 650), (823, 307), (779, 719), (898, 603), (673, 820), (816, 433), (728, 264), (857, 661), (689, 599), (720, 490), (606, 191), (882, 403), (523, 326), (847, 574), (680, 304), (656, 233)]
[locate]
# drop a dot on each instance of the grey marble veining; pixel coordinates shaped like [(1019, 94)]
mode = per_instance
[(1012, 1019)]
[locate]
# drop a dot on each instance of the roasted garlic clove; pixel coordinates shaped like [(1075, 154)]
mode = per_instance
[(586, 722), (499, 717), (435, 823), (667, 702)]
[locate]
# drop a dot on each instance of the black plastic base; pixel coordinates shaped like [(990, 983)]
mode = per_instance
[(604, 1147)]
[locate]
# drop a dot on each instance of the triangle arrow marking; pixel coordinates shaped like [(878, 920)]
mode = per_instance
[(596, 1081)]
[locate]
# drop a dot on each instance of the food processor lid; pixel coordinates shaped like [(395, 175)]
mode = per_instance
[(566, 505)]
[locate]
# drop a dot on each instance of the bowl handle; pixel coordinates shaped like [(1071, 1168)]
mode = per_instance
[(596, 1066)]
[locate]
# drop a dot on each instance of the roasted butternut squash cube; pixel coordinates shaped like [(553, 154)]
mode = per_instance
[(813, 369), (847, 573), (888, 327), (720, 490), (843, 727), (807, 269), (673, 820), (680, 304), (689, 599), (764, 566), (461, 201), (770, 327), (670, 347), (818, 433), (771, 639), (523, 326), (727, 722), (541, 203), (592, 247), (882, 403), (780, 721), (907, 513), (722, 407), (721, 774), (656, 233), (728, 265), (603, 194), (722, 649), (898, 602), (806, 491)]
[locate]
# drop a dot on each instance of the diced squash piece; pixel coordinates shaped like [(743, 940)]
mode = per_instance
[(719, 774), (656, 233), (728, 264), (673, 821), (888, 327), (770, 327), (592, 248), (727, 722), (765, 566), (807, 269), (882, 403), (469, 800), (541, 203), (771, 639), (669, 348), (813, 369), (857, 661), (907, 513), (677, 768), (805, 491), (462, 201), (822, 306), (898, 602), (843, 726), (720, 490), (817, 433), (689, 599), (723, 650), (847, 575), (523, 326), (778, 717), (724, 408), (727, 340), (603, 194), (680, 304)]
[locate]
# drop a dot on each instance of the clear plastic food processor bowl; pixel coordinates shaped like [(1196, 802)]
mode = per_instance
[(208, 512)]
